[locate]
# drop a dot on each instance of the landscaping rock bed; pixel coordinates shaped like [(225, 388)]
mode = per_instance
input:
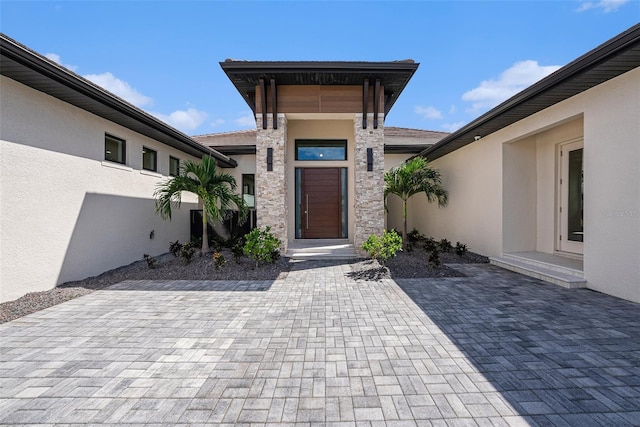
[(413, 265), (405, 265)]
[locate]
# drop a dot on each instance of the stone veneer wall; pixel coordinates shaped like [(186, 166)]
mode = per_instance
[(271, 186), (369, 186)]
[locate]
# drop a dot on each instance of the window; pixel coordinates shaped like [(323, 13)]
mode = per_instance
[(114, 149), (174, 166), (321, 150), (149, 159), (249, 190)]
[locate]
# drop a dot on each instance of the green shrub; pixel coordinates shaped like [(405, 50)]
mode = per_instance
[(175, 247), (237, 250), (218, 260), (445, 245), (430, 245), (151, 261), (461, 249), (383, 248), (262, 246), (434, 259), (414, 236), (187, 252)]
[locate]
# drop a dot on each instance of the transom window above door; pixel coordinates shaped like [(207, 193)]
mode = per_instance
[(320, 149)]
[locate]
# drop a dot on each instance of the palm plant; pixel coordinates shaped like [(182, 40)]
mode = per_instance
[(216, 192), (413, 177)]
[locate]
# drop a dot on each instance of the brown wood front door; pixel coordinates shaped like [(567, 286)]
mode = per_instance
[(320, 203)]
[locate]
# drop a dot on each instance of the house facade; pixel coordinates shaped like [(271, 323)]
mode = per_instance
[(399, 144), (78, 168), (317, 156), (548, 183)]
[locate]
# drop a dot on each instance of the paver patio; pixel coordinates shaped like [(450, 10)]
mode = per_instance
[(493, 348)]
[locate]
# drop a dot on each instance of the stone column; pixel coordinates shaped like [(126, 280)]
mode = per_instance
[(271, 186), (369, 185)]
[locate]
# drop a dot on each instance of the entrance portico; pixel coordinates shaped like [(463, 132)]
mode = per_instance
[(319, 160)]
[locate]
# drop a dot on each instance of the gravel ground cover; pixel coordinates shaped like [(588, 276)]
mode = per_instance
[(405, 265)]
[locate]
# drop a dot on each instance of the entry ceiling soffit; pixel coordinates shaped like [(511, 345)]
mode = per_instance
[(393, 75)]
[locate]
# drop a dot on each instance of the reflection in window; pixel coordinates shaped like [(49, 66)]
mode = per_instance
[(149, 159), (114, 149), (249, 190), (321, 150), (174, 166)]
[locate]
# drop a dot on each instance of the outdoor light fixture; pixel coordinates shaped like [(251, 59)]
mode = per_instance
[(369, 159), (269, 159), (477, 137)]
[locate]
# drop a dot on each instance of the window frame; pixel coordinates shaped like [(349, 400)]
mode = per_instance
[(155, 159), (121, 141), (331, 143), (171, 159)]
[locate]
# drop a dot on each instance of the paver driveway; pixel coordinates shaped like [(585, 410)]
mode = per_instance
[(494, 348)]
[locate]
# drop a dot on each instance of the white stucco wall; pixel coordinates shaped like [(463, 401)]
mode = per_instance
[(473, 177), (608, 116), (612, 187), (65, 214)]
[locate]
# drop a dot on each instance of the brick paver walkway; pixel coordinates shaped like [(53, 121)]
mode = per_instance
[(494, 348)]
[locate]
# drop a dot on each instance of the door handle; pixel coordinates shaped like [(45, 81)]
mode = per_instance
[(306, 212)]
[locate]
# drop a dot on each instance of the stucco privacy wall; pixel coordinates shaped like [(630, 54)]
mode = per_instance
[(369, 194), (65, 213), (271, 186), (473, 175)]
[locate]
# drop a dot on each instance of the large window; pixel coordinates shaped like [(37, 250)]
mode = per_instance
[(174, 166), (114, 149), (249, 190), (321, 150), (149, 159)]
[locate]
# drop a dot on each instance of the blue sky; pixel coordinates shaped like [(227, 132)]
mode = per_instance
[(163, 56)]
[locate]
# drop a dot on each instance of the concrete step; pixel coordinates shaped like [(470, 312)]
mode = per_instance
[(547, 263), (322, 250), (558, 275)]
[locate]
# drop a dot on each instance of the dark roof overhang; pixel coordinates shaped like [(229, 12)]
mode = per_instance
[(236, 150), (34, 70), (405, 148), (246, 75), (611, 59)]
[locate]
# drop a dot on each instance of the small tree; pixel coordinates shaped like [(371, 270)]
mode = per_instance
[(413, 177), (216, 192)]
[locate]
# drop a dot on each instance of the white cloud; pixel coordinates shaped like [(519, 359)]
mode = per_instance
[(56, 58), (452, 127), (606, 5), (120, 88), (248, 120), (427, 112), (185, 121), (216, 123), (452, 109), (514, 79)]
